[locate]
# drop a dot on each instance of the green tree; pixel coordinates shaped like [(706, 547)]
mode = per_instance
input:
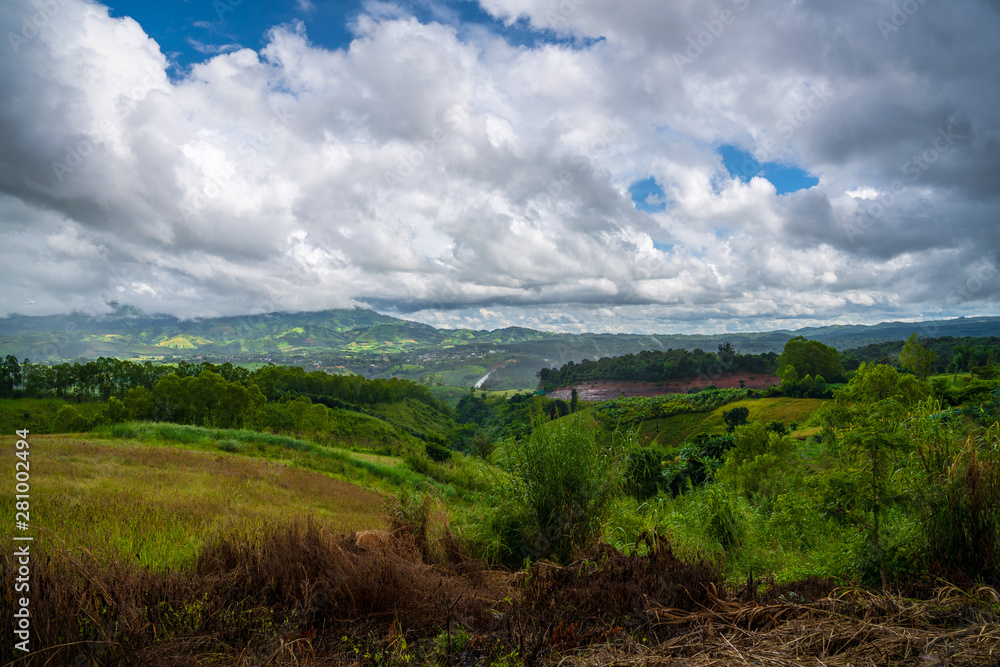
[(555, 492), (869, 416), (916, 358), (574, 400), (735, 417), (116, 411), (759, 462), (10, 376), (803, 357)]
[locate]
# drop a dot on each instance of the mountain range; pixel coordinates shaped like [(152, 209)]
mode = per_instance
[(372, 344)]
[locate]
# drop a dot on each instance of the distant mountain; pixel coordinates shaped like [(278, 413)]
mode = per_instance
[(128, 333), (375, 345)]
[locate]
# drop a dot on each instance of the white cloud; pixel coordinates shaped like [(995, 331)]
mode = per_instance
[(462, 179)]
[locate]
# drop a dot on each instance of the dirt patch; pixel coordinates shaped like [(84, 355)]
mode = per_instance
[(605, 390)]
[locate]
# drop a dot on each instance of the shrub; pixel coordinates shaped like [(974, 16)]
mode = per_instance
[(553, 498), (437, 452)]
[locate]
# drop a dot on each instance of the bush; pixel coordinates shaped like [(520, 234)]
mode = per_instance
[(553, 498), (436, 452)]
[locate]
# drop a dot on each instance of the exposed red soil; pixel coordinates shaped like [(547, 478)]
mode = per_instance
[(605, 390)]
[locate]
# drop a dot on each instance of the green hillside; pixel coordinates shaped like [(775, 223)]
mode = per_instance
[(374, 345)]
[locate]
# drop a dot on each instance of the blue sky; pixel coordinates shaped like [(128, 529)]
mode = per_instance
[(566, 165), (190, 31), (784, 177)]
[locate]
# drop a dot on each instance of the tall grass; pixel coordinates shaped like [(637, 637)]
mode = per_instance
[(963, 523), (154, 506)]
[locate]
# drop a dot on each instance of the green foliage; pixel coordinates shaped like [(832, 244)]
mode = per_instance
[(869, 414), (632, 409), (658, 366), (10, 376), (760, 463), (915, 358), (437, 452), (802, 358), (735, 417), (39, 415), (644, 472), (962, 510), (482, 444), (552, 498), (696, 462), (69, 420)]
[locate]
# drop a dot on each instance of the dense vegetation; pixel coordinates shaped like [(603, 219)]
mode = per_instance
[(633, 520), (366, 343), (659, 366), (951, 355)]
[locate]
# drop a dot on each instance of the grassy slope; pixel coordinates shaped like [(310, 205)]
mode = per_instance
[(157, 504), (413, 414), (672, 431)]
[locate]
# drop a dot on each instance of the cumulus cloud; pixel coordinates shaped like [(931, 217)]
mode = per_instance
[(458, 178)]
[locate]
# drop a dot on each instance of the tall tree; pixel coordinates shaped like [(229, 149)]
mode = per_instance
[(916, 358), (869, 414)]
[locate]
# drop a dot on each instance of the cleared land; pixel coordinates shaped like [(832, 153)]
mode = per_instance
[(605, 390)]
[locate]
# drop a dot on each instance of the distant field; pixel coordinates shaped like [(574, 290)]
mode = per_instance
[(156, 505)]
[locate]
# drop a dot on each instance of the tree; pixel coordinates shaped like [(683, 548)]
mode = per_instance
[(803, 357), (869, 415), (574, 400), (916, 358), (735, 417), (482, 444), (10, 376)]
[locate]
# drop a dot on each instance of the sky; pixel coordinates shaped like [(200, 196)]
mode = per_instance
[(567, 165)]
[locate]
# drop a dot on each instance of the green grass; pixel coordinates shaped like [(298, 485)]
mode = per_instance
[(339, 463), (157, 505), (672, 431), (411, 413), (782, 409)]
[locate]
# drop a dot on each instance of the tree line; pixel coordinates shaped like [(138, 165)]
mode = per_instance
[(206, 394), (659, 366)]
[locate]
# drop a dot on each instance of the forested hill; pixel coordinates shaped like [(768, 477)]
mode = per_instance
[(131, 334), (375, 345)]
